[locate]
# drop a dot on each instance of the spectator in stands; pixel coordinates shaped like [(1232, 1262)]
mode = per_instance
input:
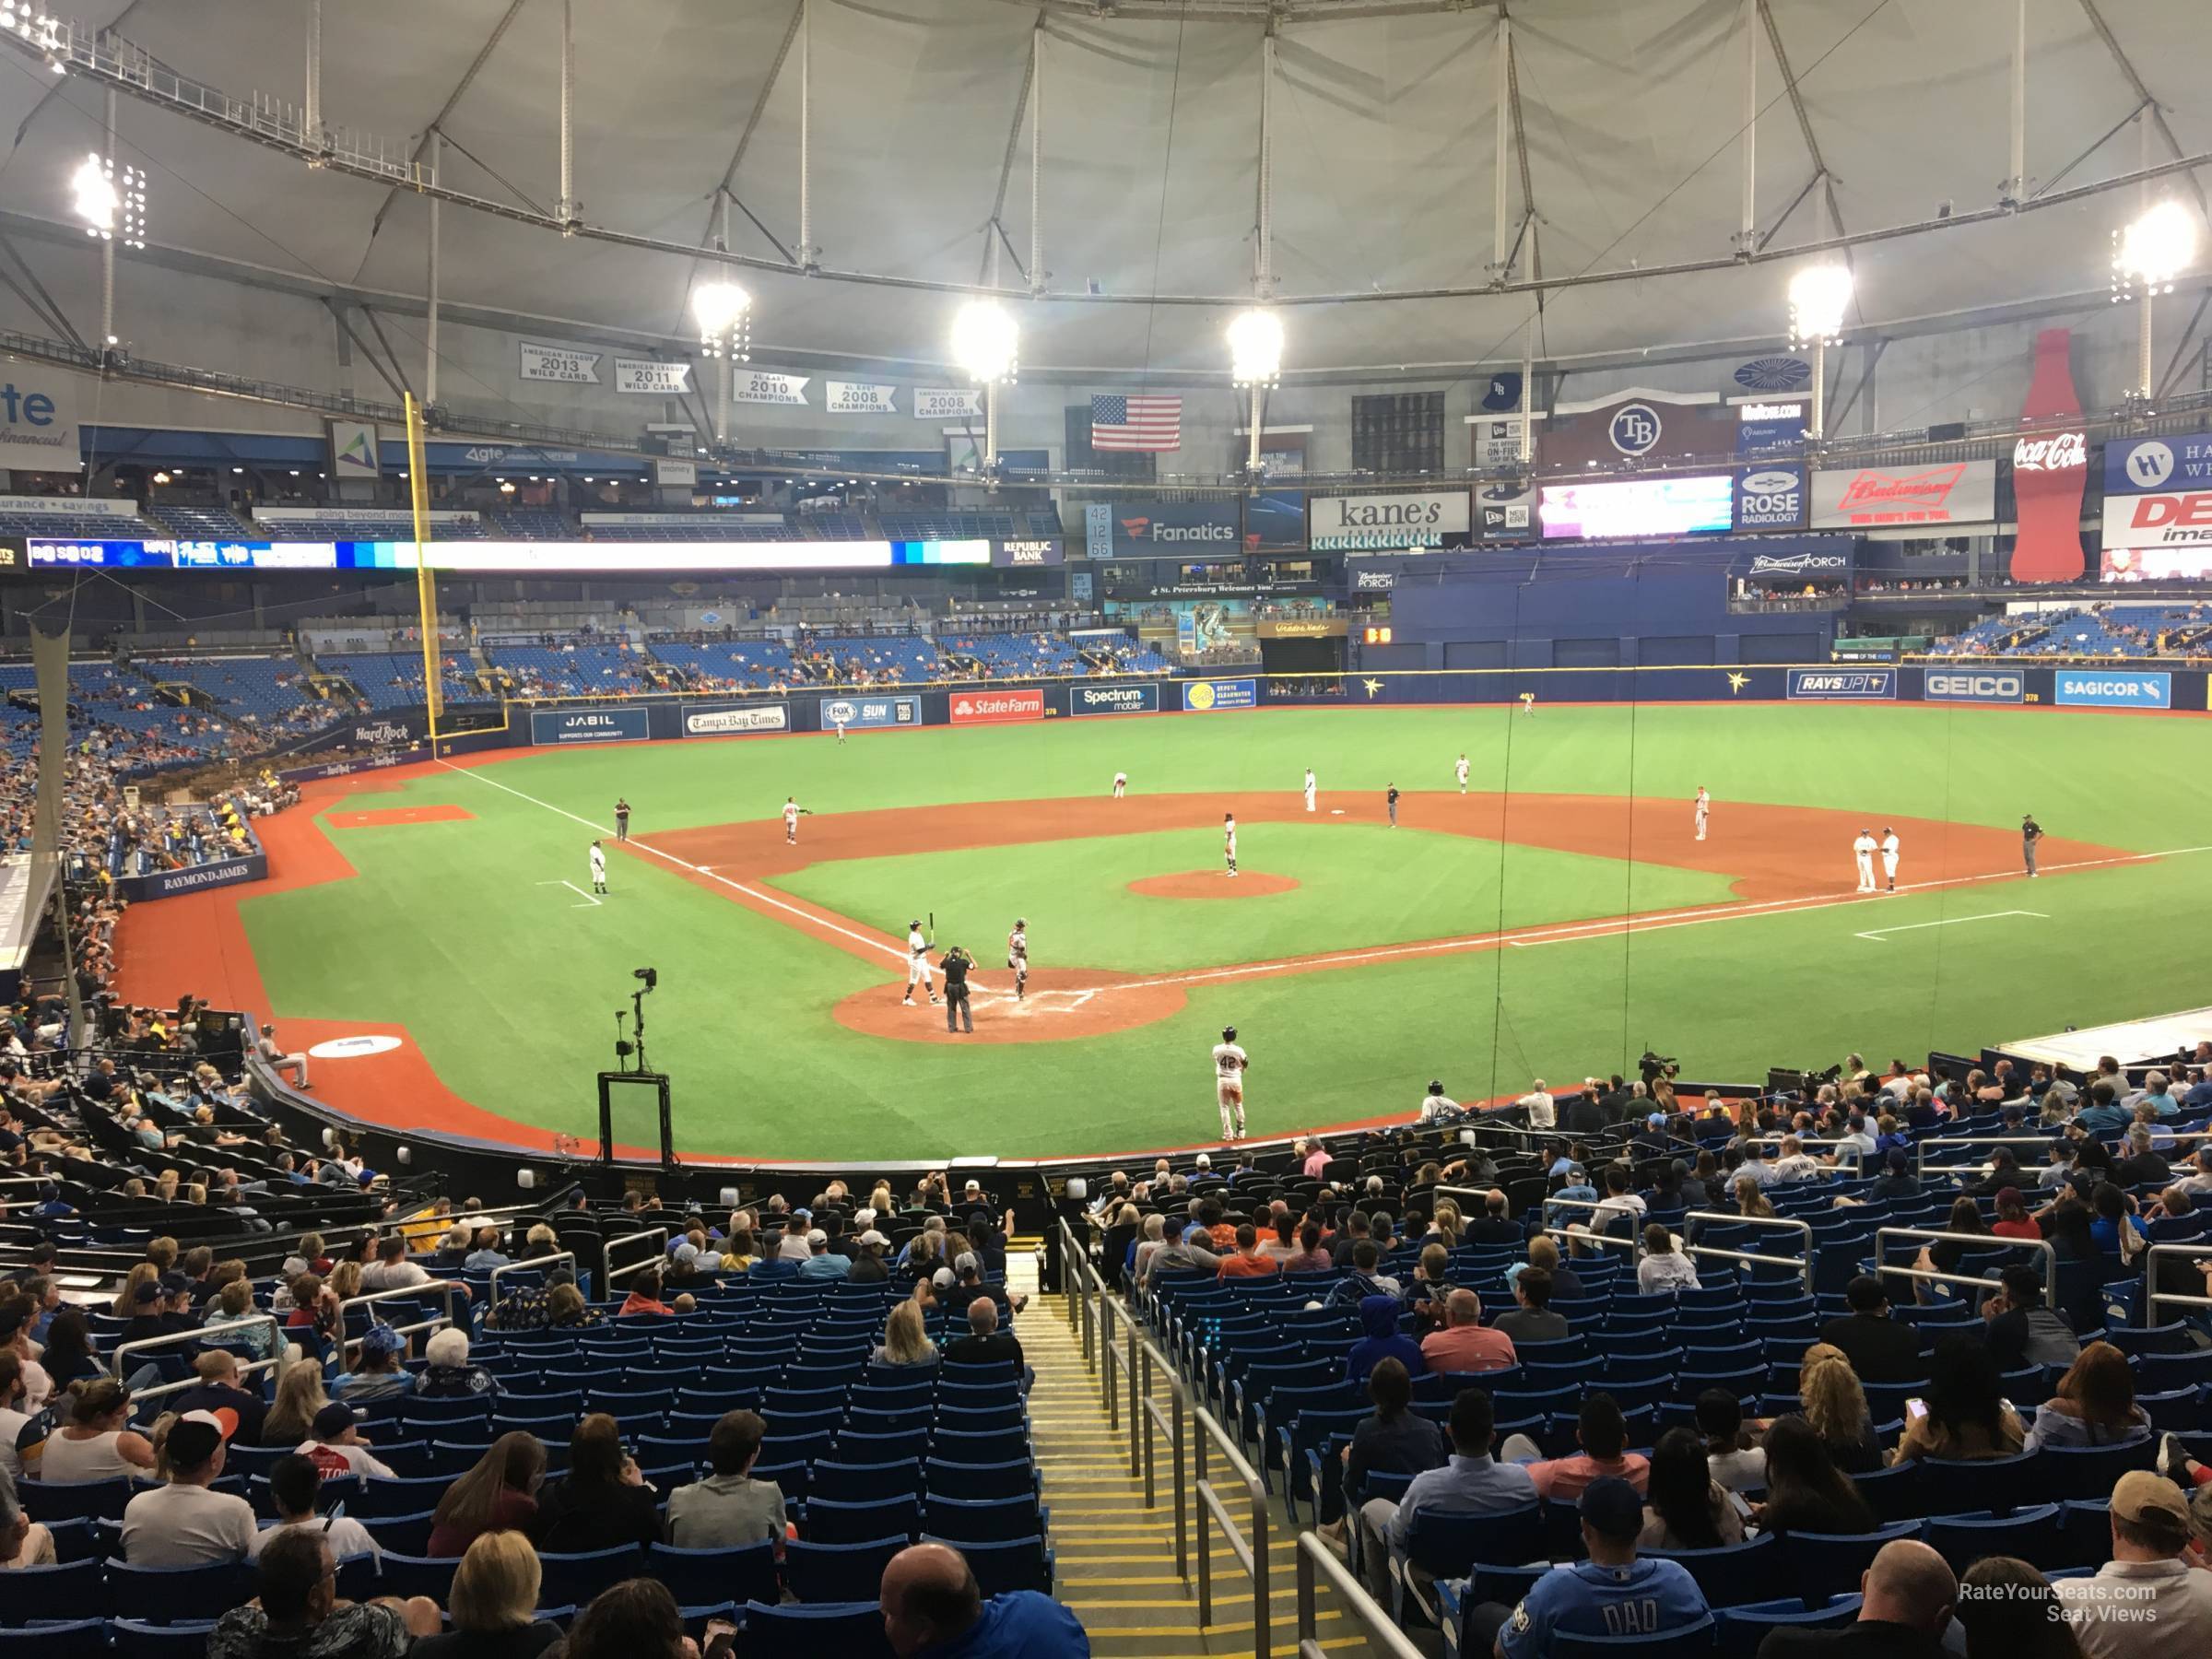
[(1473, 1481), (1964, 1416), (2021, 1330), (493, 1605), (1383, 1340), (381, 1371), (335, 1445), (1907, 1598), (1685, 1507), (14, 1420), (447, 1375), (1835, 1405), (1738, 1464), (1531, 1317), (1589, 1597), (2094, 1404), (905, 1340), (23, 1542), (729, 1509), (644, 1295), (1880, 1349), (272, 1054), (1602, 1434), (1309, 1254), (603, 1501), (985, 1344), (239, 1410), (1663, 1270), (1394, 1440), (498, 1494), (392, 1270), (293, 1481), (1248, 1260), (69, 1357), (930, 1603), (299, 1397), (2013, 1220), (1463, 1344), (2146, 1602), (2008, 1610), (96, 1442), (183, 1522), (1494, 1226), (487, 1252), (298, 1611), (1806, 1491)]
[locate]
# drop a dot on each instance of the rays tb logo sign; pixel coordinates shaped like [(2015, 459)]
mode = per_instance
[(1634, 428)]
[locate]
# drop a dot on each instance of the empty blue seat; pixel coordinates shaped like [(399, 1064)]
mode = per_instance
[(834, 1572), (1822, 1565), (1742, 1629), (1684, 1642), (1007, 1564), (59, 1592), (71, 1639), (73, 1500), (2090, 1471), (862, 1483), (2031, 1533), (989, 1519), (406, 1575), (830, 1522), (701, 1577), (181, 1594), (1731, 1574), (850, 1630), (575, 1579), (136, 1638)]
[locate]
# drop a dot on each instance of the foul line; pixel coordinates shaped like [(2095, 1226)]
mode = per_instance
[(587, 898), (1951, 921)]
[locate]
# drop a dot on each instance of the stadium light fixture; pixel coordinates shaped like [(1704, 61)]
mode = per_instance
[(986, 342), (1820, 294), (94, 198), (725, 314), (1255, 349), (2147, 257)]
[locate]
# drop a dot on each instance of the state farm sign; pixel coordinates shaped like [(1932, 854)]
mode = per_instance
[(996, 708), (2063, 451), (1959, 492), (2162, 518)]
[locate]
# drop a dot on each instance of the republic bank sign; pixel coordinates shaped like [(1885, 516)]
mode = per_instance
[(1386, 524)]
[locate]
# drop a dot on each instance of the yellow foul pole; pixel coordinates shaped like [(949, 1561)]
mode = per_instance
[(426, 584)]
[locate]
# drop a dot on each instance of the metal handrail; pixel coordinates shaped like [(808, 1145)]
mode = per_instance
[(1382, 1631), (451, 1290), (2154, 1296), (1803, 1266), (1979, 1241), (198, 1334), (1251, 1553), (606, 1250), (491, 1289), (1856, 1152), (1610, 1206), (1920, 1148)]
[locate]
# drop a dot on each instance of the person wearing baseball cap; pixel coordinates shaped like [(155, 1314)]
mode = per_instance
[(821, 1262), (867, 1265), (1614, 1590), (2146, 1602), (381, 1371), (334, 1444), (183, 1523)]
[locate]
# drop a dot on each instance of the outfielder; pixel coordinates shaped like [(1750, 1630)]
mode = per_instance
[(1889, 856), (1309, 789), (1704, 810), (598, 868), (1121, 784), (1018, 957), (1230, 1062), (917, 965), (1228, 840), (1459, 770), (1528, 703), (1861, 850), (840, 724)]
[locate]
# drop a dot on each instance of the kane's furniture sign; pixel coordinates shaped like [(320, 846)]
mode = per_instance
[(588, 726), (2109, 689), (1203, 697), (1386, 524), (866, 712), (729, 722), (1873, 498), (1842, 684), (996, 708), (1981, 684), (1115, 700)]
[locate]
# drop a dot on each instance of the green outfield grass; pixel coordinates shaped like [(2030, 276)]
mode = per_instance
[(509, 985)]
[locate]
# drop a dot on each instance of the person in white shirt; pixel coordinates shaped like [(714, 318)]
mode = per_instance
[(1230, 1062), (392, 1270), (598, 868), (1889, 856), (2146, 1602), (1664, 1269), (1796, 1163), (1862, 852), (1309, 789), (270, 1049), (1437, 1107), (293, 1479), (917, 965), (335, 1447), (1459, 770), (1704, 810), (1121, 784), (1537, 1103), (183, 1524), (791, 819), (1229, 840)]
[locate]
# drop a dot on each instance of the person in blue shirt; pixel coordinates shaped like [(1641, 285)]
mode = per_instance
[(1472, 1482), (1612, 1593), (933, 1608), (1379, 1318), (2158, 1094), (2200, 1091), (2104, 1115)]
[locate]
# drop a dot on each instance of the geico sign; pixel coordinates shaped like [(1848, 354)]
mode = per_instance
[(1974, 688)]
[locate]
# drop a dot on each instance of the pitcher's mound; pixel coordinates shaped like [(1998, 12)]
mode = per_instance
[(1213, 883)]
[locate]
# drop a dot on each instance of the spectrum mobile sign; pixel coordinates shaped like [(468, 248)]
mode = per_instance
[(1115, 700)]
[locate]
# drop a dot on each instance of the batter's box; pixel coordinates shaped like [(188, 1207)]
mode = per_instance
[(1040, 1000)]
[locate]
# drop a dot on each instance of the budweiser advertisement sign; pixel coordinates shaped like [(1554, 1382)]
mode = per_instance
[(2048, 473), (1879, 497)]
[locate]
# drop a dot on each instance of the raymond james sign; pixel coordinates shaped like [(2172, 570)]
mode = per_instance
[(1383, 523)]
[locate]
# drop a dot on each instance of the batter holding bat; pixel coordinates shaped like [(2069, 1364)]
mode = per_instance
[(1018, 957), (917, 964)]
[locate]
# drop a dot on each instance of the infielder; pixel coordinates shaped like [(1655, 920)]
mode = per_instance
[(1393, 805), (598, 868), (1230, 1062), (1459, 770), (1309, 789), (1228, 840), (2031, 832), (622, 818), (1889, 856), (1121, 784), (1863, 851), (917, 965), (791, 819), (1704, 810), (1018, 957)]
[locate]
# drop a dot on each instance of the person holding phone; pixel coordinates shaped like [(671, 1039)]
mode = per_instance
[(1963, 1417)]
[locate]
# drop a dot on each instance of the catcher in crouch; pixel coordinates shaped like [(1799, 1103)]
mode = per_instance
[(1018, 957)]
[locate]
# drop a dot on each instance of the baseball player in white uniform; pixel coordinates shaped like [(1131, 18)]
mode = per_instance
[(840, 731), (917, 965), (1230, 1062), (1309, 789), (1018, 957), (1228, 840), (1459, 770), (1704, 810), (791, 819), (1889, 857), (1863, 851), (598, 868), (1121, 784)]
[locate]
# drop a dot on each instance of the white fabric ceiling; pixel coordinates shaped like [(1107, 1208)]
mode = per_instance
[(1384, 146)]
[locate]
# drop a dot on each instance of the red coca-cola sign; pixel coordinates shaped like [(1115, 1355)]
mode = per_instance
[(2048, 472)]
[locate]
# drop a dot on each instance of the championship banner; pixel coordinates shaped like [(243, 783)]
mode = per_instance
[(560, 363), (353, 450), (2110, 688), (1085, 698), (1872, 497), (649, 377), (765, 386), (1203, 697), (1842, 684), (588, 726), (995, 708), (743, 717), (858, 397), (1387, 523), (862, 713), (949, 402)]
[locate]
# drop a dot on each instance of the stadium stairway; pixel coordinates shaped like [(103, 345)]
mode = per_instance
[(1116, 1559)]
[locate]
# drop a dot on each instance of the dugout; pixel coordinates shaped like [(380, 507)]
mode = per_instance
[(1301, 643)]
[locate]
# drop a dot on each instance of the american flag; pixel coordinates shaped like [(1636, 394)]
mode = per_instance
[(1141, 422)]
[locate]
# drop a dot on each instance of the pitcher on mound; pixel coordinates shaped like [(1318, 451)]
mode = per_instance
[(1230, 1062)]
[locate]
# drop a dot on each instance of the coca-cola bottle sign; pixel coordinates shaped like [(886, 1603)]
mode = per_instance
[(2049, 472)]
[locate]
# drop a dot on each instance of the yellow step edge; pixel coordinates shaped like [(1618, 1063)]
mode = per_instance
[(1213, 1629), (1289, 1652)]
